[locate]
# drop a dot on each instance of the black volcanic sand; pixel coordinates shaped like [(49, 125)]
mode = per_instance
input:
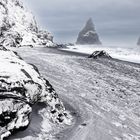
[(35, 124), (103, 95)]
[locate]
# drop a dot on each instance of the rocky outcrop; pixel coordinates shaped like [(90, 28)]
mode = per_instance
[(100, 54), (21, 86), (18, 27), (88, 35), (138, 43), (64, 45)]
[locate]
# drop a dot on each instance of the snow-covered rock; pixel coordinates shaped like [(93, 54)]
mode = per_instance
[(21, 86), (99, 54), (18, 27), (138, 43), (88, 34)]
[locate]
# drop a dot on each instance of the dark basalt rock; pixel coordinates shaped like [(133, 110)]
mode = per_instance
[(6, 118), (99, 54), (64, 45), (138, 43), (21, 87), (88, 35), (2, 48)]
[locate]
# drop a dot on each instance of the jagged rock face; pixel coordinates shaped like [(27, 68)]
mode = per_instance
[(88, 35), (99, 54), (138, 43), (21, 86), (18, 27)]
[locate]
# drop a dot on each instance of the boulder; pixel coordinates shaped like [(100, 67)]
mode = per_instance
[(100, 54), (21, 86), (88, 35)]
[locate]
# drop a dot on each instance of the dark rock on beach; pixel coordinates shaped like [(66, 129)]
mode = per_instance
[(99, 54)]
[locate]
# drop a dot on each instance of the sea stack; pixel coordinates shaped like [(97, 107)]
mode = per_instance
[(88, 35), (138, 43)]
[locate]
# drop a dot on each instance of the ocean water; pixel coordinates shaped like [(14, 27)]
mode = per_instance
[(126, 53)]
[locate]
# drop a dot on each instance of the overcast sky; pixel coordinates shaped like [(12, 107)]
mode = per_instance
[(116, 21)]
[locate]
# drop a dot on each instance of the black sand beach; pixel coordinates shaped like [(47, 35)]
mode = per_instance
[(103, 95)]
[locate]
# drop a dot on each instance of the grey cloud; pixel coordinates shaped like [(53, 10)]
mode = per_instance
[(114, 19)]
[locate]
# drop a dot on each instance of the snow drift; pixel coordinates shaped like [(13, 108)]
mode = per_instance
[(21, 86), (18, 27)]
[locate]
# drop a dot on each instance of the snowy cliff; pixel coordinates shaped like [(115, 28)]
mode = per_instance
[(18, 27), (21, 86), (88, 35)]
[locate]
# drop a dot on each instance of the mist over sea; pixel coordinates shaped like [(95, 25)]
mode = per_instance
[(129, 53)]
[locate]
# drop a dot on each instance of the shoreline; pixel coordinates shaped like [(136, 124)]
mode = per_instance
[(58, 50), (124, 54), (72, 53)]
